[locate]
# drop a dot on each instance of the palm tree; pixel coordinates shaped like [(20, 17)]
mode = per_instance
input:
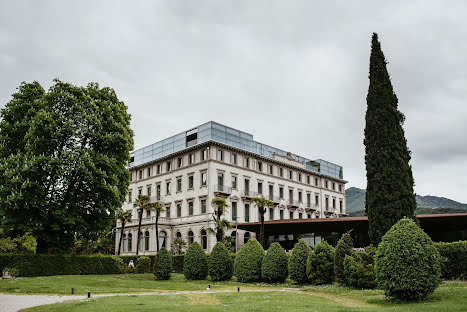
[(124, 217), (220, 206), (143, 203), (261, 203), (159, 209)]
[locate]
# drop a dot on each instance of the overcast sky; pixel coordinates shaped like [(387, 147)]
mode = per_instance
[(292, 73)]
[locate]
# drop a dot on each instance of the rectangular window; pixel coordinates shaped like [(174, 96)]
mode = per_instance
[(316, 181), (260, 187), (220, 155), (281, 192), (247, 186), (246, 162), (271, 192), (168, 188), (326, 184), (192, 158), (308, 179), (234, 211), (158, 169), (290, 214), (300, 196), (340, 188), (290, 174), (316, 200), (220, 180), (340, 206), (203, 205), (204, 154), (140, 191), (334, 203), (149, 171), (299, 177), (333, 186), (129, 196), (291, 196), (259, 166), (190, 208), (308, 200), (300, 215), (234, 182), (271, 213), (281, 172), (140, 174), (169, 166), (180, 162), (270, 169), (247, 213), (158, 192), (327, 203), (179, 184), (148, 213), (149, 191), (233, 159), (167, 212), (179, 210), (204, 178), (190, 182), (281, 214), (131, 176)]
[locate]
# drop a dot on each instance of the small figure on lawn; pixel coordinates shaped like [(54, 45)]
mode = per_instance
[(131, 264)]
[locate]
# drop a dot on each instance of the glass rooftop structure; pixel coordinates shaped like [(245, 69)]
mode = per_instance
[(213, 131)]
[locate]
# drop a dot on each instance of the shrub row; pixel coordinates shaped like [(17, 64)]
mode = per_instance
[(177, 262), (45, 265), (453, 259)]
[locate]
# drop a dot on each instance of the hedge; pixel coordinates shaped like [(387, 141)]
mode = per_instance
[(177, 262), (297, 262), (247, 265), (220, 263), (274, 268), (320, 264), (45, 265), (453, 259)]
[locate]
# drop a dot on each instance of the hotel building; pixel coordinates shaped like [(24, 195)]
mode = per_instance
[(186, 171)]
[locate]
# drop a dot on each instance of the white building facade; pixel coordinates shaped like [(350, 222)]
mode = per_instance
[(185, 172)]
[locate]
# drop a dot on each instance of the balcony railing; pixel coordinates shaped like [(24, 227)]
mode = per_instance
[(250, 194), (222, 189)]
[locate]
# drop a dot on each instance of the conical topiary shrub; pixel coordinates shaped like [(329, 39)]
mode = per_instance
[(163, 264), (297, 262), (195, 263), (320, 264), (220, 263), (343, 248), (247, 266), (274, 268), (407, 264)]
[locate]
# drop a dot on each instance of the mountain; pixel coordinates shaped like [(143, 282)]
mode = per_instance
[(355, 200)]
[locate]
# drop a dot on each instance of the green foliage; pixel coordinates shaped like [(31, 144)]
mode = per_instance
[(163, 264), (390, 195), (454, 259), (178, 246), (220, 263), (11, 271), (144, 265), (195, 263), (343, 248), (274, 268), (320, 264), (297, 262), (177, 263), (63, 158), (407, 264), (45, 265), (359, 269), (22, 244), (247, 265)]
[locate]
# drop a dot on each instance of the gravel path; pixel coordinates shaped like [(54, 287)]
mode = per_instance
[(17, 302)]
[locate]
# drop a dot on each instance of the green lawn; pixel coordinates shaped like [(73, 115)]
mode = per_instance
[(448, 297)]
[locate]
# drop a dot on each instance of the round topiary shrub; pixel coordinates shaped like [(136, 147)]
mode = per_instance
[(274, 267), (144, 265), (359, 269), (195, 263), (297, 262), (343, 248), (220, 263), (407, 264), (163, 264), (247, 266), (320, 264)]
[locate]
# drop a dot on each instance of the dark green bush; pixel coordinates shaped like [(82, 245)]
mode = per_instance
[(320, 264), (177, 263), (247, 266), (163, 264), (343, 248), (274, 268), (220, 263), (297, 262), (195, 263), (453, 259), (144, 265), (407, 264), (359, 269), (45, 265)]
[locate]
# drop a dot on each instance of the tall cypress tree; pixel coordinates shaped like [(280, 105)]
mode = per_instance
[(390, 194)]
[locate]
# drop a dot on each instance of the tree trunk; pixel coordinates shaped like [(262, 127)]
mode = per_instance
[(139, 230), (261, 230), (157, 231), (121, 238)]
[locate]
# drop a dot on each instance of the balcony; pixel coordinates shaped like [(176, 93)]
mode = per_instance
[(275, 199), (293, 204), (157, 199), (248, 195), (309, 207), (222, 190)]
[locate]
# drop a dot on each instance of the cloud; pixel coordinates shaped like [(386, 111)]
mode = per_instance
[(292, 73)]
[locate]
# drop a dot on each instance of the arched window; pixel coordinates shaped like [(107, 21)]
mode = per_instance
[(141, 241), (125, 243), (146, 240), (178, 235), (130, 242), (162, 239), (233, 234), (204, 239), (191, 237), (246, 237)]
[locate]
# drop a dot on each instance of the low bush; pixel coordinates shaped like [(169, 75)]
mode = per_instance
[(320, 264), (407, 263), (297, 262), (143, 265), (453, 259), (195, 263), (45, 265), (359, 269), (274, 268), (11, 271), (177, 263), (247, 266), (163, 264), (220, 263), (343, 248)]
